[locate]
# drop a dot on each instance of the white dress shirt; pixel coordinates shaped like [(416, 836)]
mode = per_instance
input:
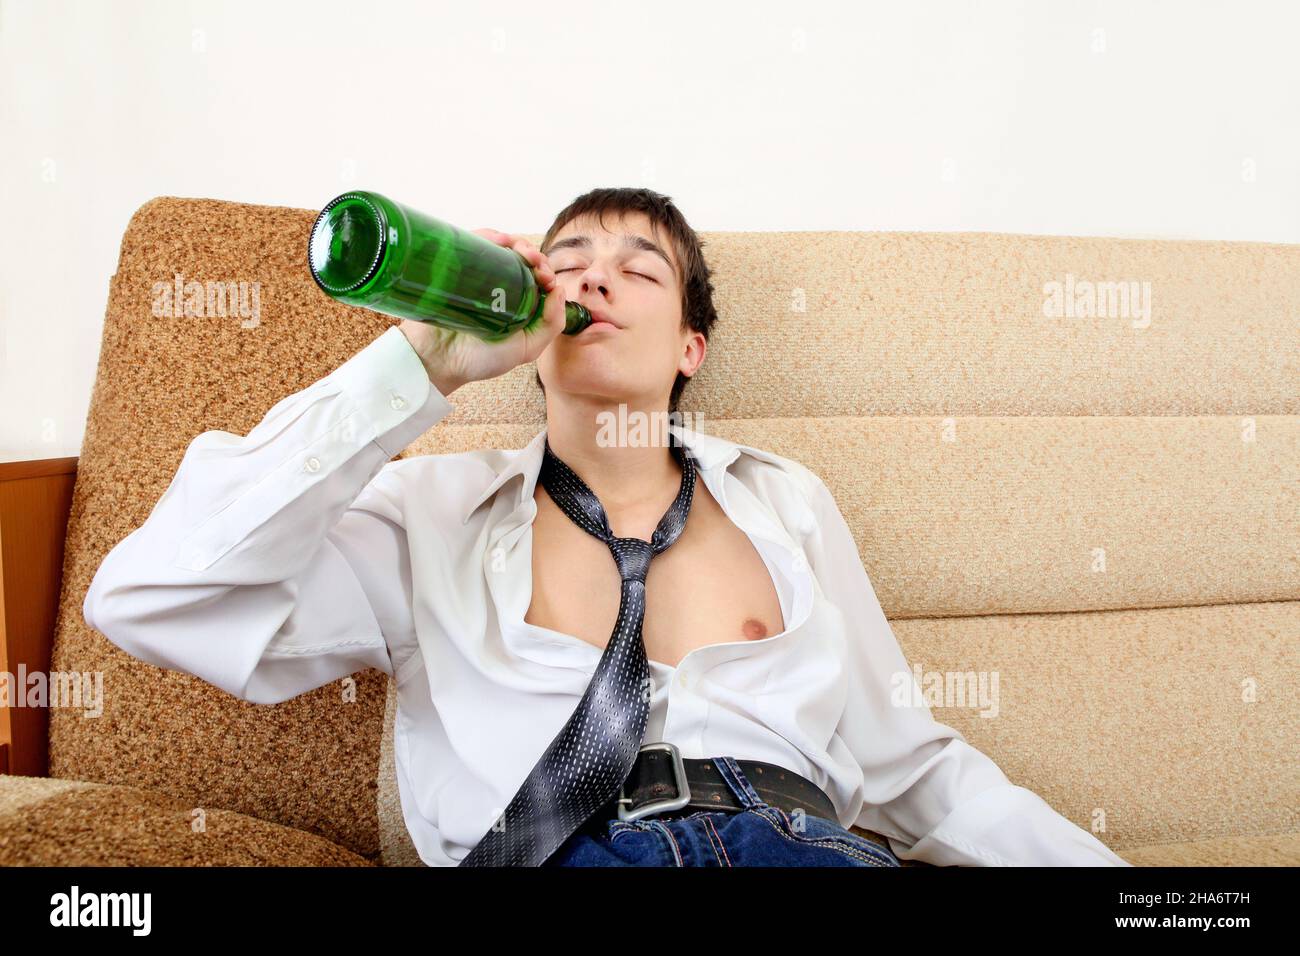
[(300, 553)]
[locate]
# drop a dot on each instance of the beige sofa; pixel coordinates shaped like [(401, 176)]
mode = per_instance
[(1102, 510)]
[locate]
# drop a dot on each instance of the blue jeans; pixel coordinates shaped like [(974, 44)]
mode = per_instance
[(758, 835)]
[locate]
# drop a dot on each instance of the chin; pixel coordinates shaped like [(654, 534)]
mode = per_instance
[(601, 379)]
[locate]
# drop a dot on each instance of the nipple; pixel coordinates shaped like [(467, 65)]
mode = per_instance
[(753, 630)]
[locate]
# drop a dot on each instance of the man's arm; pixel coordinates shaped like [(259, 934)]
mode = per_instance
[(277, 562), (937, 798)]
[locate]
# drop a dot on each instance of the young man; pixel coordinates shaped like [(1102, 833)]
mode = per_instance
[(608, 651)]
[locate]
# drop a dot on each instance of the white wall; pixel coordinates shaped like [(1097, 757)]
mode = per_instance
[(1169, 119)]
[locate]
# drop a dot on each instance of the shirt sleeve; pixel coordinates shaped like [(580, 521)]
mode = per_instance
[(934, 796), (276, 562)]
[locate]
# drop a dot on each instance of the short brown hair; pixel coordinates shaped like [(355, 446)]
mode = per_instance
[(693, 275)]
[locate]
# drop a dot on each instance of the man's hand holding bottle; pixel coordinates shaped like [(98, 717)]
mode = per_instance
[(454, 358)]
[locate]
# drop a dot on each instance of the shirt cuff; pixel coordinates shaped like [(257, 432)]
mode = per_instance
[(385, 380), (1008, 825)]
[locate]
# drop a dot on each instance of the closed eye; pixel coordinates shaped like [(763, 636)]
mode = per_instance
[(641, 274)]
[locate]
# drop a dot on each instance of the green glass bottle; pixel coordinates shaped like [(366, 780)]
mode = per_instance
[(369, 251)]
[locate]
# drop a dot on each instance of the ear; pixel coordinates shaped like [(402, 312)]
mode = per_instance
[(697, 346)]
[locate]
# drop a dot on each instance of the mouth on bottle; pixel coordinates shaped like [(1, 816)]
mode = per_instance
[(347, 243)]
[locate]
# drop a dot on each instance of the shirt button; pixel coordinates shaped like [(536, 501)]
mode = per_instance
[(398, 402), (312, 464)]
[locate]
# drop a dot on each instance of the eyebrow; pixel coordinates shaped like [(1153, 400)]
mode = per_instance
[(630, 240)]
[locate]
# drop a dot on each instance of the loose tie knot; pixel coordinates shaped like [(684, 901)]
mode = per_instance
[(632, 555)]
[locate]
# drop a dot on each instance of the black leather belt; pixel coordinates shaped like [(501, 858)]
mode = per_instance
[(663, 782)]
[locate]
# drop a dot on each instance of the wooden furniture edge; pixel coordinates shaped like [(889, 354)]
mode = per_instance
[(35, 501)]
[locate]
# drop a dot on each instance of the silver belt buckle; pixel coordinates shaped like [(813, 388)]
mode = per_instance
[(659, 806)]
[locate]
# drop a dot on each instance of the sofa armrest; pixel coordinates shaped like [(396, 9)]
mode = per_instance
[(35, 499)]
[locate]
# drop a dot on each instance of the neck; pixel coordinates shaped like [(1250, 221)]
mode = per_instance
[(630, 473)]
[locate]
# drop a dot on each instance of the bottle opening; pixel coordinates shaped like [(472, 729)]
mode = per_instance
[(347, 243)]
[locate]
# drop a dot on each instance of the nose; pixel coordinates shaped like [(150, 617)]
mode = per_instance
[(594, 278), (588, 284)]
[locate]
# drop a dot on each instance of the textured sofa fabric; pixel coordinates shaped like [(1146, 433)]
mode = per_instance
[(1103, 511), (46, 821)]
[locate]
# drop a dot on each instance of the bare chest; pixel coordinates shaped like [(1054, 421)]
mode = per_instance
[(710, 587)]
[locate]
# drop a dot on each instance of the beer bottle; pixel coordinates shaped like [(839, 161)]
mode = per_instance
[(367, 250)]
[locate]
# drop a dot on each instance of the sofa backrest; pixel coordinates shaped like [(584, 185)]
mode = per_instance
[(1097, 505)]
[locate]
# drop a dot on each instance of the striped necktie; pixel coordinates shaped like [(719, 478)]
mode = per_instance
[(591, 757)]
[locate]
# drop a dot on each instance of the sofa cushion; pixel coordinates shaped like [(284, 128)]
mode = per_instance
[(1280, 849), (45, 821)]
